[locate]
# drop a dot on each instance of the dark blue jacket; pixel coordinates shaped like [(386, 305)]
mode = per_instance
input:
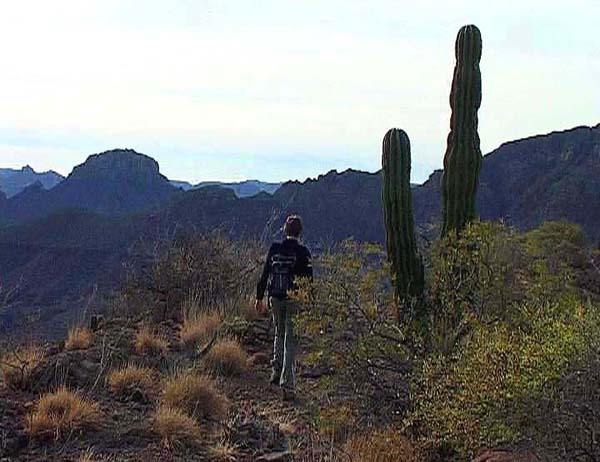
[(288, 247)]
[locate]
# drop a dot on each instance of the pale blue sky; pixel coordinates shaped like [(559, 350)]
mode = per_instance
[(276, 90)]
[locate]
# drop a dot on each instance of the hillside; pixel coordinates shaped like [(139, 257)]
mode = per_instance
[(258, 425), (55, 255), (161, 376)]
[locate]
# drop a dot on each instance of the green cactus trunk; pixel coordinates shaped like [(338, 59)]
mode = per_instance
[(407, 266), (462, 161)]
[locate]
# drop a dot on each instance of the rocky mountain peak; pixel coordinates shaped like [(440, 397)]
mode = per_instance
[(116, 165)]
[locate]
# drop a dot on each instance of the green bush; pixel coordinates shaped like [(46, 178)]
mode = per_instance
[(473, 399), (506, 323), (507, 326), (349, 316)]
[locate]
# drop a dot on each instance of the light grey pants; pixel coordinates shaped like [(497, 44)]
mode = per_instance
[(284, 346)]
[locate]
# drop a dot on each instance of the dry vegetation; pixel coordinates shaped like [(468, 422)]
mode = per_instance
[(227, 357), (224, 452), (18, 365), (61, 412), (248, 312), (386, 446), (174, 426), (79, 338), (195, 395), (132, 379), (349, 348), (89, 455), (149, 343), (201, 328)]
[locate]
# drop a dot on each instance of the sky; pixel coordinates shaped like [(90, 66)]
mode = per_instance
[(280, 89)]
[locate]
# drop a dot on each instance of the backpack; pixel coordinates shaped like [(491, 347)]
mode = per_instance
[(281, 275)]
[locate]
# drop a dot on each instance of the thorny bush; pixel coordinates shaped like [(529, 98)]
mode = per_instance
[(204, 271)]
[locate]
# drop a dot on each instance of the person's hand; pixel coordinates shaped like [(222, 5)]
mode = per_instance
[(259, 306)]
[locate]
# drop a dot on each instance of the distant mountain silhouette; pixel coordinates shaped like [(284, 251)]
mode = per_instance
[(64, 240), (13, 181), (185, 185), (247, 188), (112, 183)]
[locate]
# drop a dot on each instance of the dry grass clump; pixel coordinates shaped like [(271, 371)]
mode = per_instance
[(174, 426), (89, 455), (200, 329), (248, 311), (224, 452), (227, 357), (17, 366), (197, 395), (384, 446), (336, 421), (63, 411), (132, 379), (149, 343), (79, 338)]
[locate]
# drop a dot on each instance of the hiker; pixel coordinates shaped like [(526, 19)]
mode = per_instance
[(285, 261)]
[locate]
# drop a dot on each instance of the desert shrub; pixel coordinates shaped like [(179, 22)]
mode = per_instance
[(131, 380), (488, 272), (196, 395), (224, 451), (227, 357), (382, 446), (61, 412), (79, 338), (335, 422), (563, 420), (200, 328), (18, 366), (174, 426), (90, 455), (559, 258), (349, 317), (209, 268), (474, 398), (505, 320), (149, 343), (248, 311)]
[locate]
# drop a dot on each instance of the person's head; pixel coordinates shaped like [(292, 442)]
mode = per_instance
[(292, 226)]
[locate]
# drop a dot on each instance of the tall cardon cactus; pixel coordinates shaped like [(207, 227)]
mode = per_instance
[(407, 266), (462, 161)]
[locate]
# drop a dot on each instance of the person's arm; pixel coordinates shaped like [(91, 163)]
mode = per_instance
[(305, 268), (261, 287), (309, 267)]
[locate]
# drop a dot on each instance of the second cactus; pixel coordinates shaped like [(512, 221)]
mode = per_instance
[(462, 161)]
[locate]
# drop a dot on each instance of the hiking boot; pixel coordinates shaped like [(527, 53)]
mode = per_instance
[(275, 376), (288, 395)]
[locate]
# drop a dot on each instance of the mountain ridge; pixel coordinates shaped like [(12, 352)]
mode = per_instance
[(547, 177), (13, 181), (114, 182), (245, 188)]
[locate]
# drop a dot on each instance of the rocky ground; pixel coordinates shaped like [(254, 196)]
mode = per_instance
[(260, 425)]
